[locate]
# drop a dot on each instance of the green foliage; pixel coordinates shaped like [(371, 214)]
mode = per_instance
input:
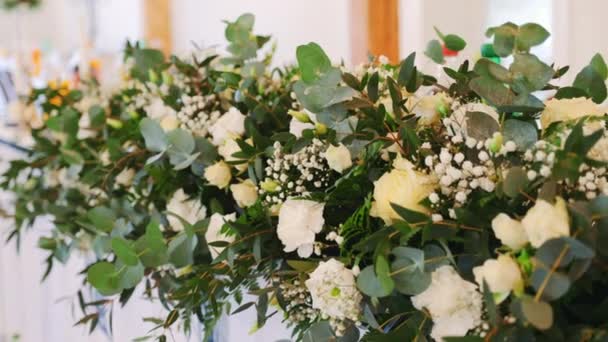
[(393, 120)]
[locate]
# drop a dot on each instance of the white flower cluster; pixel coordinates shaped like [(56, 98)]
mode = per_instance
[(334, 292), (194, 117), (296, 174), (454, 303), (299, 302), (593, 181), (458, 175), (540, 158)]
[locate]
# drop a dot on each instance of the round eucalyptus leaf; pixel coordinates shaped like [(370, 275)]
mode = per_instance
[(539, 314), (369, 283)]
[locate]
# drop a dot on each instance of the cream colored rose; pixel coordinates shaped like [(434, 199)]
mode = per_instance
[(338, 158), (169, 123), (403, 186), (245, 194), (218, 174), (545, 221), (229, 126), (188, 209), (125, 177), (299, 222), (509, 231), (229, 148), (568, 109), (428, 108), (214, 232), (501, 275)]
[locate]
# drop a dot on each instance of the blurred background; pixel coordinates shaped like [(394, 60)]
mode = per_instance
[(60, 36)]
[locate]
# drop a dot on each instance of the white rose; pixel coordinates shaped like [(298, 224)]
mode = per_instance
[(568, 109), (190, 210), (403, 186), (169, 123), (214, 232), (338, 158), (230, 125), (457, 122), (296, 127), (245, 194), (157, 110), (394, 148), (501, 274), (509, 231), (334, 291), (84, 125), (454, 303), (105, 158), (546, 221), (428, 107), (299, 221), (229, 148), (599, 151), (218, 174), (125, 177)]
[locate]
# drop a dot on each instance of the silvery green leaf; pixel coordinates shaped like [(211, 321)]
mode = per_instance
[(154, 135)]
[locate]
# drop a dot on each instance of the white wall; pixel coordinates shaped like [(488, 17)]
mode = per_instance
[(291, 23)]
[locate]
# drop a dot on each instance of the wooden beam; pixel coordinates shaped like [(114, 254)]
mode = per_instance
[(157, 21), (383, 28)]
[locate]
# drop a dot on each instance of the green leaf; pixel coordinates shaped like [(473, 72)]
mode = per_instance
[(530, 35), (570, 93), (102, 276), (145, 60), (102, 218), (97, 115), (302, 265), (312, 62), (383, 273), (181, 249), (504, 38), (151, 246), (535, 73), (492, 91), (522, 133), (598, 63), (488, 299), (407, 71), (410, 216), (590, 81), (181, 146), (480, 125), (71, 157), (129, 276), (320, 331), (434, 51), (370, 284), (515, 182), (413, 254), (553, 284), (124, 251), (372, 87), (539, 314), (408, 277), (155, 137), (171, 318), (454, 42)]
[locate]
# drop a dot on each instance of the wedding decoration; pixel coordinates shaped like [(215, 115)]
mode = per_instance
[(371, 204), (12, 4)]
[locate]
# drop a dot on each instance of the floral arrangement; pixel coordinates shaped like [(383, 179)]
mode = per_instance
[(372, 204), (12, 4)]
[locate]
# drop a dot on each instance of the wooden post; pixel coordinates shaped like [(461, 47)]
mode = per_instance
[(383, 28), (374, 29), (157, 21)]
